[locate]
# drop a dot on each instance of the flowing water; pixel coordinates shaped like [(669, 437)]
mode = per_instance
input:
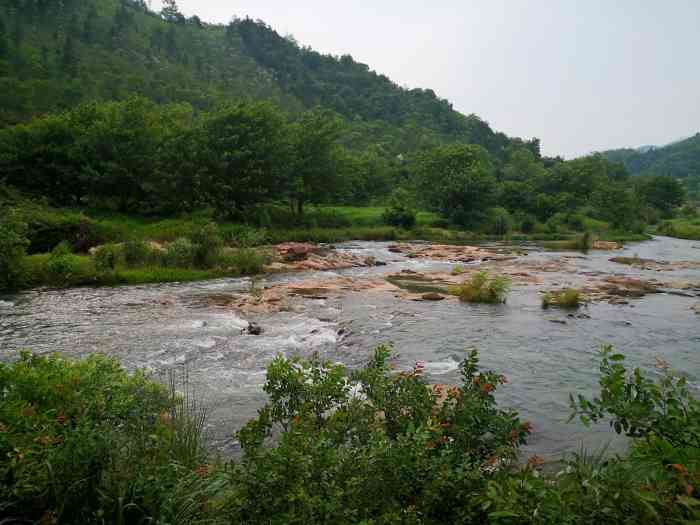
[(166, 326)]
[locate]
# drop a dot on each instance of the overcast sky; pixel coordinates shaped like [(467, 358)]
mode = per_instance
[(582, 75)]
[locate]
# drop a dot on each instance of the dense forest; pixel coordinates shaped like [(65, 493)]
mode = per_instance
[(680, 160), (54, 55)]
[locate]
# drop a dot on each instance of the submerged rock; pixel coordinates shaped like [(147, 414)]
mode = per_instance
[(432, 296), (254, 329)]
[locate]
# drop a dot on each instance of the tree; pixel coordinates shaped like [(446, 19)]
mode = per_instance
[(4, 46), (458, 181), (171, 12), (69, 56), (663, 193), (13, 245), (246, 156), (316, 155), (90, 31), (616, 204)]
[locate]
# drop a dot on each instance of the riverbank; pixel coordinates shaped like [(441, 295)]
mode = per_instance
[(247, 245), (681, 228)]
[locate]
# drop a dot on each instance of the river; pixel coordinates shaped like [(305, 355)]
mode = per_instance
[(546, 354)]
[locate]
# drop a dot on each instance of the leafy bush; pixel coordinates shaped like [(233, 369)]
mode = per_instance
[(246, 260), (557, 223), (458, 269), (569, 298), (576, 221), (499, 222), (86, 442), (371, 446), (482, 289), (528, 224), (584, 241), (63, 267), (400, 212), (208, 244), (107, 257), (440, 222), (139, 253), (244, 236), (180, 253), (13, 245)]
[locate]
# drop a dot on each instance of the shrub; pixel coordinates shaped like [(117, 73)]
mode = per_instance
[(139, 253), (556, 223), (86, 442), (107, 257), (458, 269), (482, 289), (584, 241), (528, 224), (440, 222), (569, 298), (499, 222), (207, 243), (371, 446), (179, 254), (247, 261), (243, 236), (576, 221), (13, 245), (400, 212), (63, 268)]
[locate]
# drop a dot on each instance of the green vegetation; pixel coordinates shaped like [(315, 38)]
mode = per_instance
[(568, 298), (679, 161), (110, 110), (85, 442), (202, 256), (400, 212), (481, 288), (681, 228), (458, 269)]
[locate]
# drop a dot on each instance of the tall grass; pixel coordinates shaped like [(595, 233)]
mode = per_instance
[(568, 298), (482, 289)]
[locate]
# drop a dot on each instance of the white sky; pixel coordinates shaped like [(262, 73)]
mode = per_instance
[(582, 75)]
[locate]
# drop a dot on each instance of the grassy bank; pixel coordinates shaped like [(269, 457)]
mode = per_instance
[(234, 246), (86, 442), (681, 228)]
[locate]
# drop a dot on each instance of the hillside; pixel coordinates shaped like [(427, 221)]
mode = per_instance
[(680, 159), (56, 54)]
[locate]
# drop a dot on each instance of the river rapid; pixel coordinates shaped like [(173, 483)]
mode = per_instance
[(546, 354)]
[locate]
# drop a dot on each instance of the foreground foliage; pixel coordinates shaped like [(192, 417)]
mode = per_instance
[(85, 442)]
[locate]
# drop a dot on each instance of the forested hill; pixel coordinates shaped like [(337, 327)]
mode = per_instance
[(55, 54), (679, 159)]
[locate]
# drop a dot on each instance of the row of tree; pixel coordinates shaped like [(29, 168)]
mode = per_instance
[(464, 183), (138, 156)]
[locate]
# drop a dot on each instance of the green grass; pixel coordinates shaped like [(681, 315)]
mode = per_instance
[(372, 215), (482, 289), (681, 228), (568, 298)]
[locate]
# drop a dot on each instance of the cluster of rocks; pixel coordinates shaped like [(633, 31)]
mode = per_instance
[(297, 256), (448, 252), (659, 266)]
